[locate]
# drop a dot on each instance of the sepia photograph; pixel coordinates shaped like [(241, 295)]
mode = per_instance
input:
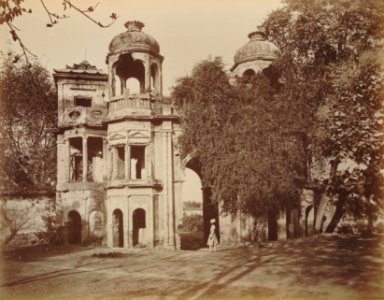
[(192, 150)]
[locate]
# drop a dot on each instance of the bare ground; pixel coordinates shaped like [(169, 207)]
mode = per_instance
[(319, 267)]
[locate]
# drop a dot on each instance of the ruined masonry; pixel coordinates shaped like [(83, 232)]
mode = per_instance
[(119, 174)]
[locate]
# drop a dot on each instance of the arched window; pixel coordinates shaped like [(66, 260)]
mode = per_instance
[(248, 75), (133, 86), (74, 227), (117, 228)]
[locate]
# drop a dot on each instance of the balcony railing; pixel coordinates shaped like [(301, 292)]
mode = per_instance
[(128, 105)]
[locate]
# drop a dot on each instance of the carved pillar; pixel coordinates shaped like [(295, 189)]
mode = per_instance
[(127, 160), (164, 202), (67, 165), (160, 75), (126, 219), (85, 158), (113, 82), (148, 162), (147, 80), (105, 158), (169, 187), (114, 163)]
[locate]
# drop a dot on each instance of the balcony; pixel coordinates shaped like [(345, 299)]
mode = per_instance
[(132, 184), (131, 105), (78, 115)]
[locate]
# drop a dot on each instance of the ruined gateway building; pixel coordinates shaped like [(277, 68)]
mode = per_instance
[(119, 174)]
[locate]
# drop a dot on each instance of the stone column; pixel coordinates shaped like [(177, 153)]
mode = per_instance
[(171, 208), (105, 159), (164, 201), (127, 161), (85, 158), (108, 221), (114, 163), (68, 160), (160, 86), (148, 162), (147, 79), (126, 219)]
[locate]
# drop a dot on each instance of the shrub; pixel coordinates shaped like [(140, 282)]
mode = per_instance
[(192, 223)]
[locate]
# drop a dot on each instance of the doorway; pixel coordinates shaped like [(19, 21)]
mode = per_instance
[(74, 227), (117, 228), (138, 223)]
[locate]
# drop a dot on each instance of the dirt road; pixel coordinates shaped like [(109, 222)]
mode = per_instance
[(321, 267)]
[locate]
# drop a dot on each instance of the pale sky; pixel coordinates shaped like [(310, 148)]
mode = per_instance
[(187, 31)]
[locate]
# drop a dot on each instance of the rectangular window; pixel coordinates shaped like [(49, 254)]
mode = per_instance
[(76, 159), (120, 162), (137, 162), (83, 101)]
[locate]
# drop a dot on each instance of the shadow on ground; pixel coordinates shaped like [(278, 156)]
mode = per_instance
[(192, 240), (318, 267)]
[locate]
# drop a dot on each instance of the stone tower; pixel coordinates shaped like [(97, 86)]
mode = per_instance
[(130, 200)]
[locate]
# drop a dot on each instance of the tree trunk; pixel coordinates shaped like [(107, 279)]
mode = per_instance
[(337, 215), (369, 214), (320, 210)]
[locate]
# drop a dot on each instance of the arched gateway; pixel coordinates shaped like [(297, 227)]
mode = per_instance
[(117, 146)]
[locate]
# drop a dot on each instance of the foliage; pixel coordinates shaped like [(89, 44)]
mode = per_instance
[(330, 64), (192, 223), (191, 205), (241, 135), (28, 114)]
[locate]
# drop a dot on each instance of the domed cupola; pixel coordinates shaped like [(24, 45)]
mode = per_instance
[(134, 39), (255, 55), (134, 63)]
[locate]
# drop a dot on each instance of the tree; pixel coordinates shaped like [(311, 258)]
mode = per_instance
[(329, 61), (27, 116), (246, 139)]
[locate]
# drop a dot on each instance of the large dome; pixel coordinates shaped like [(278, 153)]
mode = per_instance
[(258, 48), (134, 40)]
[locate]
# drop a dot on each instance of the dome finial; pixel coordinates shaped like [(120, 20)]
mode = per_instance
[(257, 35), (134, 25)]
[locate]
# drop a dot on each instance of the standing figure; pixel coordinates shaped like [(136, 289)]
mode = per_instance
[(212, 239)]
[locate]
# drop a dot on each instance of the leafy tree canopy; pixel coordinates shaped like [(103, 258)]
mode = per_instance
[(246, 139), (330, 52), (28, 114)]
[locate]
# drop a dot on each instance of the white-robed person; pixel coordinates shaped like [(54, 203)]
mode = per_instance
[(212, 239)]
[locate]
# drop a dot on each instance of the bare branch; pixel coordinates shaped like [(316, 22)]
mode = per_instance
[(53, 19), (16, 37), (91, 9), (52, 16)]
